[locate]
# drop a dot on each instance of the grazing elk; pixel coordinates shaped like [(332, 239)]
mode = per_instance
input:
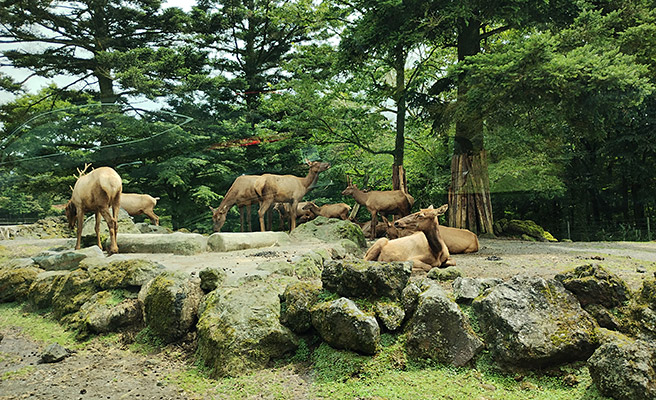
[(425, 248), (458, 241), (242, 193), (286, 189), (137, 204), (338, 210), (96, 192), (384, 202)]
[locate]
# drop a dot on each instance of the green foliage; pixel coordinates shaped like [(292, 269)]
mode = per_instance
[(38, 327)]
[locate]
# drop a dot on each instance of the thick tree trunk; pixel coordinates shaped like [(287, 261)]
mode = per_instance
[(470, 206)]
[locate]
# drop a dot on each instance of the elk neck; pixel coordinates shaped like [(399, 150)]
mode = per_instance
[(433, 238)]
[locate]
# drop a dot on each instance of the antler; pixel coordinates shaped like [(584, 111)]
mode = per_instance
[(86, 166)]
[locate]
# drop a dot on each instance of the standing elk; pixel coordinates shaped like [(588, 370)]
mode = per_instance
[(242, 193), (286, 189), (137, 204), (384, 202), (96, 192), (425, 248), (302, 214), (338, 210)]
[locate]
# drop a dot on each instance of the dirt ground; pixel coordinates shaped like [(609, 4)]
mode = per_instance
[(109, 371)]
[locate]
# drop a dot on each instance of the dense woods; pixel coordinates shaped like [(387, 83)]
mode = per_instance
[(504, 109)]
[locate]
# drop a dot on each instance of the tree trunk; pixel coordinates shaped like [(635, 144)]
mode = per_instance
[(106, 84), (398, 173), (470, 206)]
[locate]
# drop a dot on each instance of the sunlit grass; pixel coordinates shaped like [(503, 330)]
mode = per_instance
[(36, 326)]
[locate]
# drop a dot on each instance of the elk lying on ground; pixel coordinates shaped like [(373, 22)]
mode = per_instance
[(242, 193), (425, 248), (137, 204), (381, 228), (337, 210), (457, 240), (384, 202), (286, 189), (96, 192)]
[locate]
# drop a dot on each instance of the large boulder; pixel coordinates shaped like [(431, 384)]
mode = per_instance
[(125, 225), (624, 368), (533, 322), (390, 314), (70, 291), (592, 284), (43, 288), (466, 290), (239, 329), (295, 304), (15, 282), (343, 325), (231, 241), (329, 230), (170, 305), (180, 243), (123, 273), (640, 315), (439, 330), (366, 279), (211, 278), (67, 259), (108, 312)]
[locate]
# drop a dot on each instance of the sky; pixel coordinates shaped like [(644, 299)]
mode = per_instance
[(34, 84)]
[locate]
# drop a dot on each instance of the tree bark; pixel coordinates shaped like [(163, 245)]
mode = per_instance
[(398, 173), (470, 206)]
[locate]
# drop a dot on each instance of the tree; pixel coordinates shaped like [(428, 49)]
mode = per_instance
[(464, 26), (101, 43)]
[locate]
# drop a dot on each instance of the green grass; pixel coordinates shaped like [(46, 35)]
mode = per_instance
[(36, 326), (17, 373)]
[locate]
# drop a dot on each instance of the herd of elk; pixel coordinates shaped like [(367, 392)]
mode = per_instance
[(414, 237)]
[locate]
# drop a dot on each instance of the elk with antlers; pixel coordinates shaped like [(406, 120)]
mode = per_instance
[(384, 202), (286, 189), (425, 248), (96, 192)]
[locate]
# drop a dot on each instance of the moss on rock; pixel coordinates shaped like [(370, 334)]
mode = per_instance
[(15, 282)]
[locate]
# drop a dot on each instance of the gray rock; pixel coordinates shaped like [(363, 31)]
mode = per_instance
[(119, 272), (390, 315), (211, 278), (54, 353), (170, 304), (444, 274), (343, 325), (533, 322), (125, 225), (177, 243), (145, 227), (43, 288), (231, 241), (623, 368), (70, 291), (366, 279), (440, 331), (308, 265), (410, 296), (100, 314), (466, 290), (67, 259), (329, 230), (295, 305), (592, 284), (239, 329)]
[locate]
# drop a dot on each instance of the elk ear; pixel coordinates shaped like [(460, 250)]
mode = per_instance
[(430, 207), (442, 209), (308, 162), (211, 208)]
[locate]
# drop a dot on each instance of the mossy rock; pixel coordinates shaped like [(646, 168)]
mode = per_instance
[(124, 273), (329, 230), (648, 293), (171, 302), (211, 278), (70, 291), (444, 274), (295, 304), (42, 289), (107, 311), (366, 279), (15, 282), (518, 227)]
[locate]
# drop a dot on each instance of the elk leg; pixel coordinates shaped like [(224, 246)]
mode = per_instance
[(374, 251), (264, 207), (248, 217), (80, 222), (374, 222), (112, 225), (241, 217), (153, 217), (98, 229), (292, 215), (420, 266)]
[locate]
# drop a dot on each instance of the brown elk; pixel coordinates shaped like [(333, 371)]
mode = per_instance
[(425, 248), (337, 210), (458, 241), (96, 192), (137, 204), (302, 214), (286, 189), (242, 193), (384, 202)]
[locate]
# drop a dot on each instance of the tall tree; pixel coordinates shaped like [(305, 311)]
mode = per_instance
[(464, 26), (97, 42), (383, 35)]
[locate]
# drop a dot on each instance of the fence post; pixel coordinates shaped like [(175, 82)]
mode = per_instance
[(569, 234), (648, 230)]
